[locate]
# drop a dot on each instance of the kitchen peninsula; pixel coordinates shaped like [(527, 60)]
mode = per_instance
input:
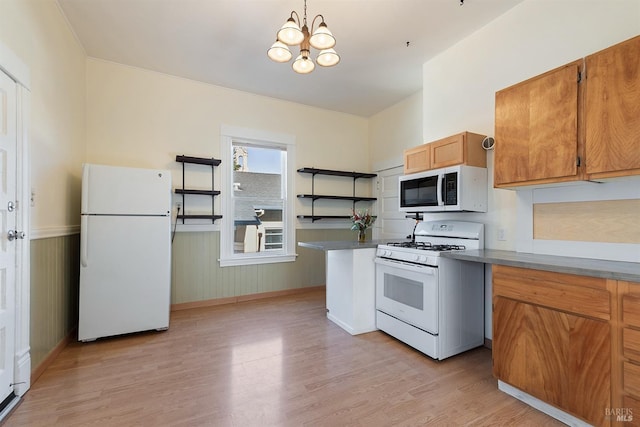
[(350, 280)]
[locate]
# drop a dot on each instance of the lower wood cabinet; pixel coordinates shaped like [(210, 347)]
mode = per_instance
[(548, 344), (628, 356), (571, 341)]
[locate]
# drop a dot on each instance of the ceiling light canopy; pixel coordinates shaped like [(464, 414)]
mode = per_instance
[(291, 34)]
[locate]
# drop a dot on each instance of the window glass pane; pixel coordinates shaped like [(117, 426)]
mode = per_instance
[(258, 198)]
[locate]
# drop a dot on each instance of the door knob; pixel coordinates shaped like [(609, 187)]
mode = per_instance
[(15, 234)]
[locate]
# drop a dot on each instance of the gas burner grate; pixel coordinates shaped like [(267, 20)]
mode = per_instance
[(412, 245), (448, 247)]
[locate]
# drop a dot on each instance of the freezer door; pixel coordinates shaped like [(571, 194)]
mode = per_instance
[(111, 190), (125, 275)]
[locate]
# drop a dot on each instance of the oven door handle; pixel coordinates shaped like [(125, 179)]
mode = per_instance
[(424, 269)]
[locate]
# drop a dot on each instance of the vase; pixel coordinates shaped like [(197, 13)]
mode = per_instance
[(362, 235)]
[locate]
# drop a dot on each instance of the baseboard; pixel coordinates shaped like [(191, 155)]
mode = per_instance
[(241, 298), (541, 406), (42, 366), (488, 343)]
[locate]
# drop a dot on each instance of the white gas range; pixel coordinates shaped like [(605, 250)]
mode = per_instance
[(433, 303)]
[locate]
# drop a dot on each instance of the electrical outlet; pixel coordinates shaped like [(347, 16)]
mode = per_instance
[(502, 234)]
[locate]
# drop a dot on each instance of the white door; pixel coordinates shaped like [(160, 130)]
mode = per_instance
[(8, 143), (391, 223)]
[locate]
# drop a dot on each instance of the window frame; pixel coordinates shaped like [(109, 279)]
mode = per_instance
[(255, 137)]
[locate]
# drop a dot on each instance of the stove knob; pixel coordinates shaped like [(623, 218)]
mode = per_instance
[(415, 258), (387, 253), (422, 258)]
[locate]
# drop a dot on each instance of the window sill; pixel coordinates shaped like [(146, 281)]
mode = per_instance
[(253, 260)]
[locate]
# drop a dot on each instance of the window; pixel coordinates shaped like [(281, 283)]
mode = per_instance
[(258, 218)]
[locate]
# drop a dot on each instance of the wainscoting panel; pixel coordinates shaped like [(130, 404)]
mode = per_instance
[(55, 270), (197, 275)]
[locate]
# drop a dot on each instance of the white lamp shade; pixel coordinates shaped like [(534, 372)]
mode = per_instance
[(303, 65), (290, 33), (322, 38), (327, 58), (279, 52)]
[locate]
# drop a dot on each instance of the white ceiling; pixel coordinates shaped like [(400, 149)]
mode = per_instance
[(224, 42)]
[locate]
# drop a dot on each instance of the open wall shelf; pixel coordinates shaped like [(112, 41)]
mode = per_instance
[(191, 192), (314, 197)]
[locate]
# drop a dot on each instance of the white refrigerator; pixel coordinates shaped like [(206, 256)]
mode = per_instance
[(125, 251)]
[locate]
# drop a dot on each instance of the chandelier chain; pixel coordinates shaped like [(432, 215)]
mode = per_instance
[(305, 12)]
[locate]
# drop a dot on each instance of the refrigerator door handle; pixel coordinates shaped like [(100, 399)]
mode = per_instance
[(84, 228)]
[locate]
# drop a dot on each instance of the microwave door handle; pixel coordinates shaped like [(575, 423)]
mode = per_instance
[(441, 184)]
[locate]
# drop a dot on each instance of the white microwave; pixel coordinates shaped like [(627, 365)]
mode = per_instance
[(454, 189)]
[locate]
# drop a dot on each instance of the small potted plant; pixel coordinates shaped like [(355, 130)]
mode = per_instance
[(361, 220)]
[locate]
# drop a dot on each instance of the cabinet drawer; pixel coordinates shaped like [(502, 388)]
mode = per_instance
[(631, 344), (631, 310), (581, 295), (631, 379)]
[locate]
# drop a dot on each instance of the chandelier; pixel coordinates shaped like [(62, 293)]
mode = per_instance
[(290, 34)]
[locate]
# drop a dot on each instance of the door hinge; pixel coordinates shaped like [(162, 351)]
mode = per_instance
[(578, 161)]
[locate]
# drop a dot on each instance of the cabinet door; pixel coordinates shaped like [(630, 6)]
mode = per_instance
[(536, 129), (560, 358), (447, 152), (417, 159), (612, 122)]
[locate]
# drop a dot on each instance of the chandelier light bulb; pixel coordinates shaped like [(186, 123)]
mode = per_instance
[(279, 52), (303, 65), (327, 58), (290, 33), (322, 38)]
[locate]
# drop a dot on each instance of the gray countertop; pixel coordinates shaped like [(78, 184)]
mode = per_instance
[(339, 245), (616, 270)]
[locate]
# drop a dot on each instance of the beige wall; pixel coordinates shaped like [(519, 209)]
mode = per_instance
[(143, 118), (394, 129), (37, 33)]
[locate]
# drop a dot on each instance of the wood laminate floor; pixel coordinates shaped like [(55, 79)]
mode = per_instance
[(272, 362)]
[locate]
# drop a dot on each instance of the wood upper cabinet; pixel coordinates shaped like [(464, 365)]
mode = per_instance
[(417, 159), (544, 124), (552, 339), (612, 111), (536, 129), (461, 149)]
